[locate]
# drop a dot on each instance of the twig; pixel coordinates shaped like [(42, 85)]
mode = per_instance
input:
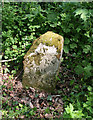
[(2, 3), (56, 95), (7, 60)]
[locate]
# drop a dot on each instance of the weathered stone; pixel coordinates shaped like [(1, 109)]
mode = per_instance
[(42, 61)]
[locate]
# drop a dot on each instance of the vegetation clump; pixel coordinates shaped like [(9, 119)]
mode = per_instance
[(22, 23)]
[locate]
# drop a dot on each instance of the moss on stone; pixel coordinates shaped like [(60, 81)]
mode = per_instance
[(30, 59), (32, 48), (38, 58), (49, 39)]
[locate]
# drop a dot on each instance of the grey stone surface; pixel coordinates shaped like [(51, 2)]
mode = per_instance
[(42, 61)]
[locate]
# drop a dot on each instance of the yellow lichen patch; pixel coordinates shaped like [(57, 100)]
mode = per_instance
[(49, 39), (30, 59), (33, 47), (37, 59)]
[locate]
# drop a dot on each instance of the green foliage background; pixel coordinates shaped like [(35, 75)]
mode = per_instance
[(22, 23)]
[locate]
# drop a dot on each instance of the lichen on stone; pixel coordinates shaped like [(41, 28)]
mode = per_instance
[(41, 62), (49, 39)]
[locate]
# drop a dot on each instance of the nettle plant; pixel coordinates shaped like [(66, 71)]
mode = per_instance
[(71, 113), (80, 109)]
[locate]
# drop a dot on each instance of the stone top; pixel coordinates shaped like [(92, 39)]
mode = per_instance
[(49, 39)]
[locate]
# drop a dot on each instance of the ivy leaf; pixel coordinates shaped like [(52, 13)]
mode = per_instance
[(66, 49), (89, 88), (68, 30), (85, 105), (84, 62), (87, 48), (87, 34), (83, 13), (5, 57), (87, 71), (15, 27), (53, 25), (14, 47), (88, 68), (67, 41), (79, 69), (20, 105), (72, 82), (73, 45), (8, 48), (69, 108), (52, 16), (78, 29), (49, 98)]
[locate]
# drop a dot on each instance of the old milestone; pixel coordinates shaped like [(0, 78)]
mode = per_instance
[(42, 61)]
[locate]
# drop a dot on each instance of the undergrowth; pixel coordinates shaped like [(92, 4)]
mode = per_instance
[(23, 22)]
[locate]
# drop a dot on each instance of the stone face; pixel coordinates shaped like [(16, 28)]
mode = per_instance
[(42, 61)]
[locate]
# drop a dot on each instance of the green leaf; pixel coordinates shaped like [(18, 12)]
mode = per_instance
[(76, 86), (72, 82), (52, 16), (20, 105), (8, 48), (85, 105), (79, 69), (47, 110), (82, 12), (69, 108), (78, 29), (89, 88), (14, 46), (24, 30), (34, 26), (5, 57), (73, 45), (13, 71), (87, 48), (84, 62), (87, 34), (88, 68), (49, 98), (7, 70), (15, 27), (67, 41), (78, 114), (57, 78), (66, 49)]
